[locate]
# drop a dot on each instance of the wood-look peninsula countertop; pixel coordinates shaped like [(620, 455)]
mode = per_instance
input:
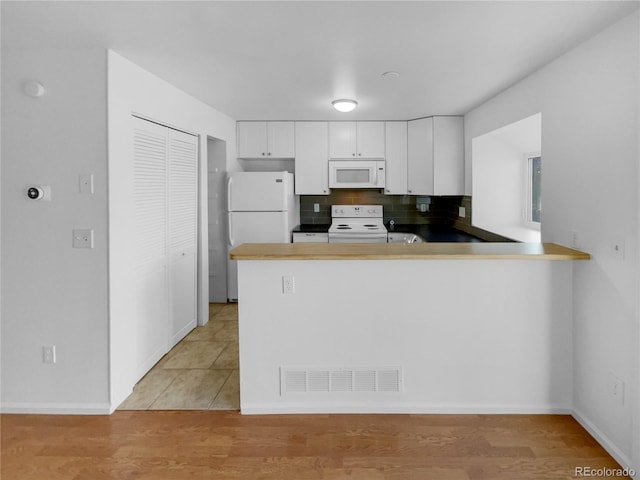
[(403, 251)]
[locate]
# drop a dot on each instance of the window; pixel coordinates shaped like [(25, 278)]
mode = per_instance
[(533, 201)]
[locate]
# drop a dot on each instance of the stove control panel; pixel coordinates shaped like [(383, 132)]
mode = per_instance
[(356, 211)]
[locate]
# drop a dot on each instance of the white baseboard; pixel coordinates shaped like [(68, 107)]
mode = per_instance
[(183, 333), (604, 441), (399, 408), (57, 408)]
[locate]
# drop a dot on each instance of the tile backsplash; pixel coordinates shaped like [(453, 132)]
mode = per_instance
[(402, 209)]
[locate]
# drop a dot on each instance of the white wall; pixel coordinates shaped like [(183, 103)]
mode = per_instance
[(53, 294), (589, 104), (499, 181), (134, 90), (497, 185)]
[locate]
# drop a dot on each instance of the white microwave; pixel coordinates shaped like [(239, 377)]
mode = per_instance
[(356, 173)]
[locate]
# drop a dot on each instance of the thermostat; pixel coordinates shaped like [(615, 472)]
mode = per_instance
[(39, 192)]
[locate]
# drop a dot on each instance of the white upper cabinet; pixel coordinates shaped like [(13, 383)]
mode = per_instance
[(312, 158), (266, 139), (281, 139), (396, 158), (356, 140), (370, 136), (420, 157), (342, 140), (252, 139), (435, 156), (448, 155)]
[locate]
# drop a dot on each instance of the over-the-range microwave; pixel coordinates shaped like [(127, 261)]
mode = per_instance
[(356, 173)]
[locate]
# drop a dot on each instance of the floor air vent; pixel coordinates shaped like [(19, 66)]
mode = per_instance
[(362, 379)]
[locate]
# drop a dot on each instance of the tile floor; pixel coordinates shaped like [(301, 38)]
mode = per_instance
[(199, 373)]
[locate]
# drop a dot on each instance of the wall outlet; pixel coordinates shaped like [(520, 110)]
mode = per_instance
[(616, 389), (288, 286), (316, 208), (83, 238), (462, 212), (49, 354)]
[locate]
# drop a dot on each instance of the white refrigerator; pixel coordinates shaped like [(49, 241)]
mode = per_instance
[(262, 208)]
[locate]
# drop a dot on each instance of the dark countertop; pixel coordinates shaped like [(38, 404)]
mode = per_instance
[(435, 233), (310, 228), (428, 232)]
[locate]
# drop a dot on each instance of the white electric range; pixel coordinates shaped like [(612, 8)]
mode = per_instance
[(357, 224)]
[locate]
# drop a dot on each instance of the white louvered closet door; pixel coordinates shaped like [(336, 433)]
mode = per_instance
[(165, 191), (182, 232), (150, 284)]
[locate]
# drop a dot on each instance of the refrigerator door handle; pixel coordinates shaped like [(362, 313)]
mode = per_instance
[(229, 234), (229, 182)]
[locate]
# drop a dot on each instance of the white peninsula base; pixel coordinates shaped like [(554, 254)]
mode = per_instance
[(466, 336)]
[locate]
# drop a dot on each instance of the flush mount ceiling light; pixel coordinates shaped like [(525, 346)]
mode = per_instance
[(344, 104), (391, 74)]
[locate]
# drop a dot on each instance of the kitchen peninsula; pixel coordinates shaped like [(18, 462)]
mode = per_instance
[(399, 328)]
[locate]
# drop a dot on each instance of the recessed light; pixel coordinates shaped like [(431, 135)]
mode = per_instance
[(344, 104), (391, 74)]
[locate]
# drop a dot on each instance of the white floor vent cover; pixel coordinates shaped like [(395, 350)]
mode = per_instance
[(361, 379)]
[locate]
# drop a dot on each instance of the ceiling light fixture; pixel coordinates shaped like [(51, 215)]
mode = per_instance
[(391, 74), (344, 104)]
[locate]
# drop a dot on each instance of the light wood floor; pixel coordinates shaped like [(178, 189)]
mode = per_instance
[(179, 445)]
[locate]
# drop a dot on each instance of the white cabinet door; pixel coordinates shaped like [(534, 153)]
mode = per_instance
[(396, 158), (448, 156), (420, 156), (265, 139), (342, 140), (280, 139), (182, 232), (435, 154), (252, 139), (370, 139), (312, 158)]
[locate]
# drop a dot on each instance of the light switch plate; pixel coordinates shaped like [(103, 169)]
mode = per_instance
[(83, 238), (86, 183)]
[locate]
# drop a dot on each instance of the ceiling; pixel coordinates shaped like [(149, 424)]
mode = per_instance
[(289, 59)]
